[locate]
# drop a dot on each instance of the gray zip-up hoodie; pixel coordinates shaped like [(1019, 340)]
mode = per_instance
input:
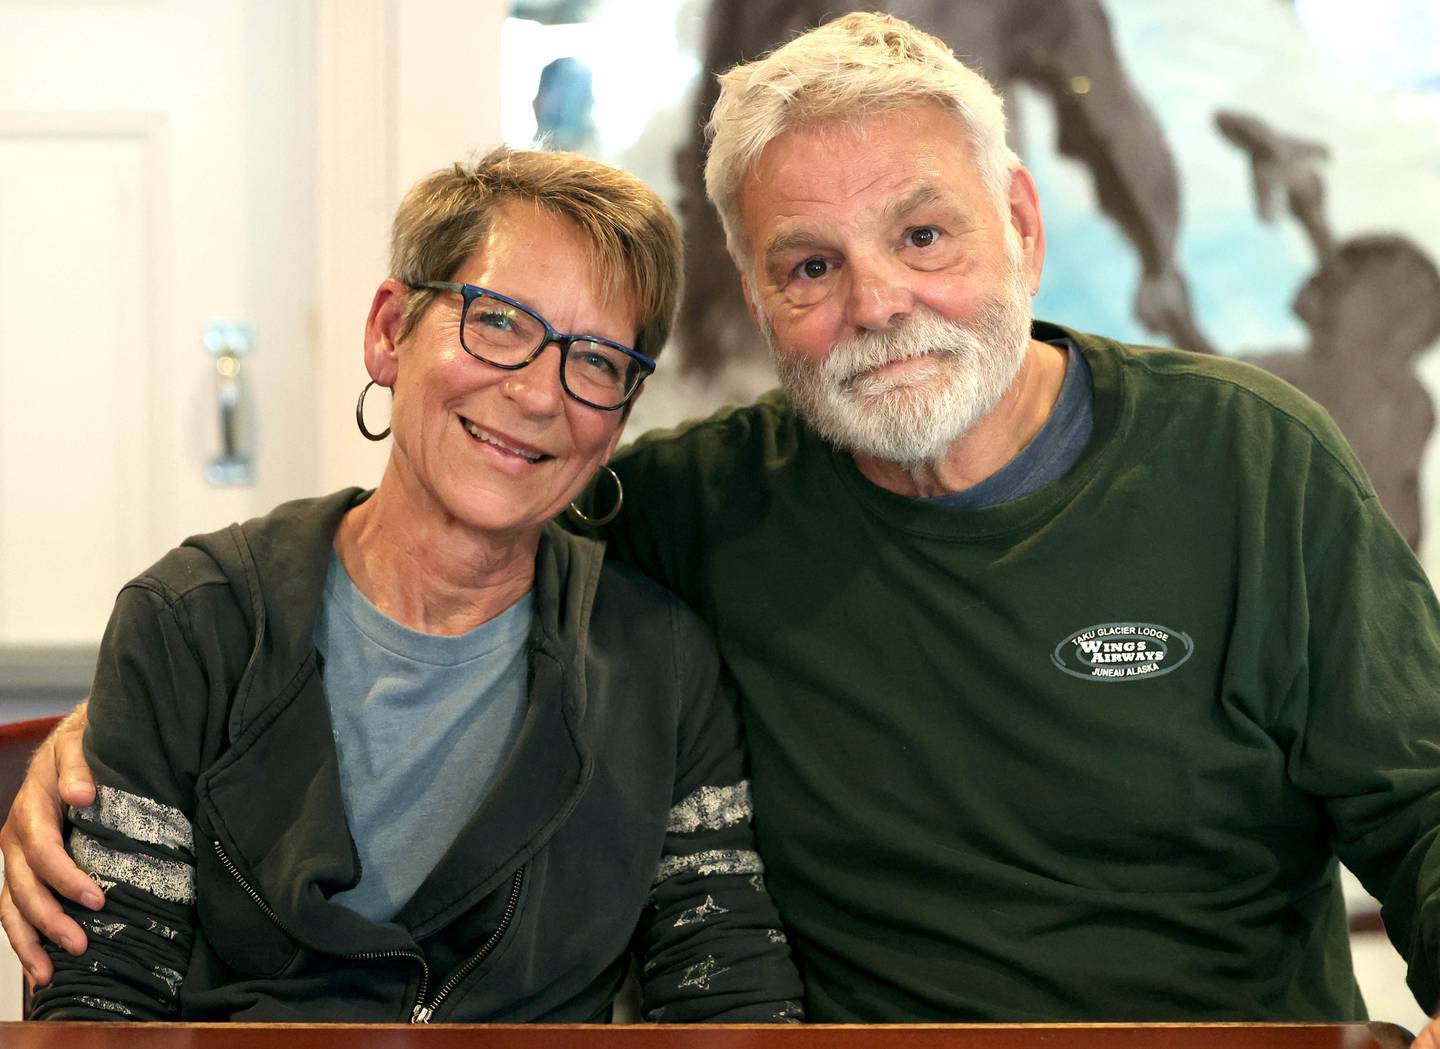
[(621, 816)]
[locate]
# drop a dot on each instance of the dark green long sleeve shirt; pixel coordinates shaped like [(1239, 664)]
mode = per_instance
[(1087, 755)]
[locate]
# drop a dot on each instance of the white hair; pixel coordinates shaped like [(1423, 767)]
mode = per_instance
[(844, 70)]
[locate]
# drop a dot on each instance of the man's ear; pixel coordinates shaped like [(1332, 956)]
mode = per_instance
[(382, 331), (1028, 224), (745, 289)]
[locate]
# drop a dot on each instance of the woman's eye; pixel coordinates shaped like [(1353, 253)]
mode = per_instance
[(922, 236), (598, 361), (813, 269), (500, 320)]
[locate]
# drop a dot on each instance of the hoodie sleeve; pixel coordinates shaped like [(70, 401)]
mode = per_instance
[(710, 944), (136, 840)]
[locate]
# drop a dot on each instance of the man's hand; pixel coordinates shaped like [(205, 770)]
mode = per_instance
[(35, 856)]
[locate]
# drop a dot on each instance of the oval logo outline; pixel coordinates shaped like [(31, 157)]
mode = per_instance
[(1089, 642)]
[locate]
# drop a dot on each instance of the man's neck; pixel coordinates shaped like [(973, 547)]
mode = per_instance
[(989, 444)]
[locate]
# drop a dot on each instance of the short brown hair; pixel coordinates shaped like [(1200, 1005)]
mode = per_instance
[(637, 248)]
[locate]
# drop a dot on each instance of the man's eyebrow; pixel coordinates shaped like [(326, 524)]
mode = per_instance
[(782, 243), (920, 197), (896, 210)]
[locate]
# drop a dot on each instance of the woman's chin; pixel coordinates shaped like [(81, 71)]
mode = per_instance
[(480, 499), (499, 519)]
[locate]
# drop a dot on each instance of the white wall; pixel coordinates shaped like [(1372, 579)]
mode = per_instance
[(373, 104), (391, 108)]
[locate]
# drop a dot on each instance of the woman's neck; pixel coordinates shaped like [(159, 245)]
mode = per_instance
[(426, 570)]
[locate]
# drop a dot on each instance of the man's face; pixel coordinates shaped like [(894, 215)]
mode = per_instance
[(893, 291)]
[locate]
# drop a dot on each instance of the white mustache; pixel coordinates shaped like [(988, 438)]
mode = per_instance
[(924, 335)]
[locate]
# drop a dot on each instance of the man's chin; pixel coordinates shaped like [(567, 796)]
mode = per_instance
[(903, 426)]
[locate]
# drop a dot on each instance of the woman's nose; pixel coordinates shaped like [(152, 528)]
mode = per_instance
[(536, 388)]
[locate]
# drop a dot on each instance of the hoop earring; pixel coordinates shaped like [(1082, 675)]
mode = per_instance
[(596, 522), (360, 416)]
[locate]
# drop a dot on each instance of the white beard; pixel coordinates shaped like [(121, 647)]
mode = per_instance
[(913, 417)]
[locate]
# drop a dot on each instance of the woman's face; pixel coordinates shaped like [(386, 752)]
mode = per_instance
[(498, 451)]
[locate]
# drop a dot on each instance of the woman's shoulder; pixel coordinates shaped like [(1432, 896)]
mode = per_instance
[(635, 614), (235, 559)]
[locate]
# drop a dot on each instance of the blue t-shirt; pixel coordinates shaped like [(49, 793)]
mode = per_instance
[(422, 724)]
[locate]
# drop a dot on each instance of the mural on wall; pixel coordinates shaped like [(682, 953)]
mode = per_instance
[(1212, 179), (1371, 308)]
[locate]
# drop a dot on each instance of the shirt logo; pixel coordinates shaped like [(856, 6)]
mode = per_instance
[(1122, 651)]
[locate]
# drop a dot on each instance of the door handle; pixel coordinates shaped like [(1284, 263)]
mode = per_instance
[(230, 344)]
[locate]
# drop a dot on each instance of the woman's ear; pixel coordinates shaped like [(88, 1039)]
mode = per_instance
[(382, 331), (624, 414)]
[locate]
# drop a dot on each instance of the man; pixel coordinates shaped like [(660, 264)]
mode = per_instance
[(1062, 49), (1069, 667)]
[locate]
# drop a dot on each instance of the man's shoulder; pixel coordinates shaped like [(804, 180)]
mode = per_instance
[(1181, 388), (769, 414), (1201, 379), (686, 486), (766, 432), (1164, 365)]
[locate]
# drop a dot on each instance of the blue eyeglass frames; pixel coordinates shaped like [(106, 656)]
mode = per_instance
[(505, 333)]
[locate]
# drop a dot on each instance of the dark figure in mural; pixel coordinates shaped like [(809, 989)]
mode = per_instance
[(1372, 307), (1061, 47), (1283, 164)]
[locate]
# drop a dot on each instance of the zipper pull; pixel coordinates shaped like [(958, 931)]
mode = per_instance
[(422, 1014)]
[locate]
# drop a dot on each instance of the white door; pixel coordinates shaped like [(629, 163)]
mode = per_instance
[(166, 166), (156, 178)]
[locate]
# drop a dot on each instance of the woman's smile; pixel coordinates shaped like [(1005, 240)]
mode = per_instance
[(510, 449)]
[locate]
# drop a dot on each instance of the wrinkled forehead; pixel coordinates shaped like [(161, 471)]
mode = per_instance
[(840, 135), (540, 251), (845, 139), (882, 164)]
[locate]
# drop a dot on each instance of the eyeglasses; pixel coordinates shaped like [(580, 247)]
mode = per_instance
[(500, 331)]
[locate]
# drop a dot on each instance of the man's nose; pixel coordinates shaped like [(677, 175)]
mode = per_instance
[(880, 293)]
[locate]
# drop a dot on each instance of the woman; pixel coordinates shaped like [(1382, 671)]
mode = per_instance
[(419, 753)]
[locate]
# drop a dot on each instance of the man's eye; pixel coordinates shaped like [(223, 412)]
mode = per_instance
[(813, 269), (922, 236)]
